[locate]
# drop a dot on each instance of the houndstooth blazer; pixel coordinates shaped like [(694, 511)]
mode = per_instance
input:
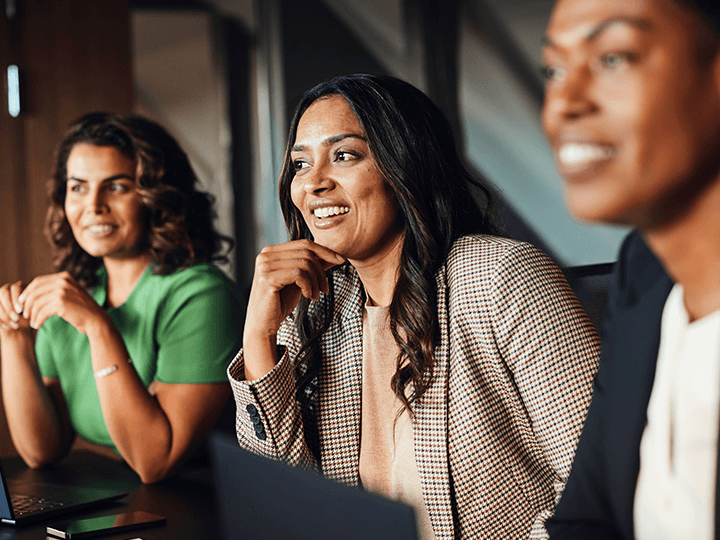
[(495, 433)]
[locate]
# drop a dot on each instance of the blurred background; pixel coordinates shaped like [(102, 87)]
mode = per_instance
[(223, 76)]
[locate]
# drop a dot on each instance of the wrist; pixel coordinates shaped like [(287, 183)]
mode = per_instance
[(251, 333), (99, 326), (19, 335), (260, 355)]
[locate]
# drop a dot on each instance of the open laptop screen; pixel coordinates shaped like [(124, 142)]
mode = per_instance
[(5, 512)]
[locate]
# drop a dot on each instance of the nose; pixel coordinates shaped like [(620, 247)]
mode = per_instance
[(317, 180), (569, 97), (96, 203)]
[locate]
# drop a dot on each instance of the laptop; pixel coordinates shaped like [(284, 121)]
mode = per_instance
[(261, 498), (27, 502)]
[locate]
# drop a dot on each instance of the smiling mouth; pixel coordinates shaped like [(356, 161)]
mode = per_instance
[(580, 155), (98, 231), (330, 211)]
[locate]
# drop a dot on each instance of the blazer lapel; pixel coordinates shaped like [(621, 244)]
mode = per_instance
[(631, 347), (430, 433), (341, 380)]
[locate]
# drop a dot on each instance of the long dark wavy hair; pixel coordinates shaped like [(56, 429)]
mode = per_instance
[(178, 217), (438, 200)]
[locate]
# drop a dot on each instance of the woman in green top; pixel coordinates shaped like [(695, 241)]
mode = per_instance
[(137, 327)]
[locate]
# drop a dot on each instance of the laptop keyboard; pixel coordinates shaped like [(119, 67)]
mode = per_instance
[(23, 505)]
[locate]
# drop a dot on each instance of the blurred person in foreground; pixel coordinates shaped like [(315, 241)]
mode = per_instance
[(137, 327), (632, 112), (398, 344)]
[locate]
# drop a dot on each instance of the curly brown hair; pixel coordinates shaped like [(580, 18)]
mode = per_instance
[(179, 217)]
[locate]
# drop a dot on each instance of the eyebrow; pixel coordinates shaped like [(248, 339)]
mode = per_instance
[(330, 140), (642, 24), (109, 179)]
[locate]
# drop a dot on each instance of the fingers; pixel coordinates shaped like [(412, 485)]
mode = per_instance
[(54, 294), (41, 312), (275, 274), (36, 294), (282, 274), (328, 257), (15, 290), (10, 308), (301, 263)]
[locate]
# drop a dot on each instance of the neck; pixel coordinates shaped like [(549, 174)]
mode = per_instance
[(689, 248), (123, 275), (379, 275)]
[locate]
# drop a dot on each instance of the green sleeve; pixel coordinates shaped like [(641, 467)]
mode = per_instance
[(199, 328)]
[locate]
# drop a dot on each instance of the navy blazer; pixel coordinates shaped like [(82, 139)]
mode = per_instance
[(599, 496)]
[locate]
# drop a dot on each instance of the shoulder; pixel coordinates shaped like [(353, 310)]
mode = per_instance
[(191, 281), (494, 259), (512, 283), (638, 271), (200, 288), (199, 274)]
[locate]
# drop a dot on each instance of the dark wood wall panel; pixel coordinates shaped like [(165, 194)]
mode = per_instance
[(74, 56)]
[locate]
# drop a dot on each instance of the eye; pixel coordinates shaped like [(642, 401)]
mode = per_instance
[(616, 59), (553, 73), (118, 187), (611, 60), (344, 155), (299, 165), (75, 188)]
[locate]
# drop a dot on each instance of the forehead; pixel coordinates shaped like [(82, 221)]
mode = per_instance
[(89, 159), (573, 21), (326, 117)]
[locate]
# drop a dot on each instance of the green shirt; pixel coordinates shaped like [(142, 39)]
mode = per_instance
[(180, 328)]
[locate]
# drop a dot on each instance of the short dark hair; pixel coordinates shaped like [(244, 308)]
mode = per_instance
[(709, 10), (438, 199), (179, 217)]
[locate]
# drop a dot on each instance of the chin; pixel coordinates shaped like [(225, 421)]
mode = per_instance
[(594, 206), (98, 253), (337, 247)]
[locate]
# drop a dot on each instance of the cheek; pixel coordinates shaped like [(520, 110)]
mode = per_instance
[(664, 151), (72, 211), (387, 199), (382, 208), (549, 115), (296, 194), (134, 213)]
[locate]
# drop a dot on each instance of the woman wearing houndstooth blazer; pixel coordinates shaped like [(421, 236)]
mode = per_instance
[(394, 342)]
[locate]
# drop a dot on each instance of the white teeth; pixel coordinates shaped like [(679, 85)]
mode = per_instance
[(579, 154), (99, 230), (328, 211)]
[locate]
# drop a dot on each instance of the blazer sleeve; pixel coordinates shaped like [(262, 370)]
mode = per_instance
[(584, 510), (552, 351), (268, 419)]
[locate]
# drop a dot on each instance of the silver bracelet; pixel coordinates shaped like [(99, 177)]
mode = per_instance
[(105, 372)]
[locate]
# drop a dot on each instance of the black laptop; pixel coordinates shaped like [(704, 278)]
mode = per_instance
[(27, 502), (260, 498)]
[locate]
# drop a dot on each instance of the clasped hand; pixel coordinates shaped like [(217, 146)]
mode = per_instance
[(282, 274), (23, 307)]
